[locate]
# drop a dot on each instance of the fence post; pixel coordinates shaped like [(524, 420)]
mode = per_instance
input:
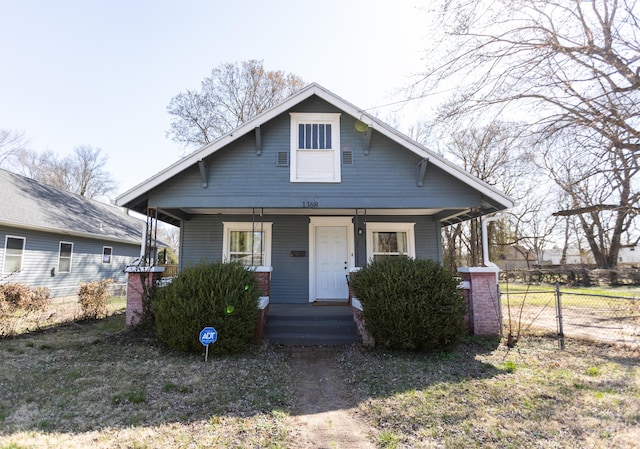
[(559, 316)]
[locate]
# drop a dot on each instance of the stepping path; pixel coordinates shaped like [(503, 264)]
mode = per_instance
[(325, 413)]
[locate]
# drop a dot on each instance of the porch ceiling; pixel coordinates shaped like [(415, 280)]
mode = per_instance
[(308, 211)]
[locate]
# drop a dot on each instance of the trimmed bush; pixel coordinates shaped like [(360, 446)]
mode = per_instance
[(222, 295), (16, 296), (410, 304), (93, 298)]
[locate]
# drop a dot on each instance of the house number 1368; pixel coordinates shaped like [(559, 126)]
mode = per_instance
[(310, 204)]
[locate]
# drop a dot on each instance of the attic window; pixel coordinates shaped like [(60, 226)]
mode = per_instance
[(315, 147)]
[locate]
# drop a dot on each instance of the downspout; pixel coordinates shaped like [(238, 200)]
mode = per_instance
[(485, 239)]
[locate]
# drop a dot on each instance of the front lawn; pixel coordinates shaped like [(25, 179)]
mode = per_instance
[(88, 384), (478, 396)]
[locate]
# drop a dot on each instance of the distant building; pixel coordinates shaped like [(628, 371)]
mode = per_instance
[(553, 257), (516, 257), (629, 255)]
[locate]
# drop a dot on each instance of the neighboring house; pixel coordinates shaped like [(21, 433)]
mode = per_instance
[(574, 257), (55, 239), (515, 257), (629, 255), (311, 189)]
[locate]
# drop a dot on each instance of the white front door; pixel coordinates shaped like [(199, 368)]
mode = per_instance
[(331, 262)]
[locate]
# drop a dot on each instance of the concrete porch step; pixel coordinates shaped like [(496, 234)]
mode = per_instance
[(308, 325)]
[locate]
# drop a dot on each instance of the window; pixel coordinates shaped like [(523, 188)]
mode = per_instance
[(247, 243), (390, 239), (13, 254), (64, 258), (106, 254), (315, 147)]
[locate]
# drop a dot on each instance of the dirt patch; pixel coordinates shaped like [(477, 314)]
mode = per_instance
[(324, 412)]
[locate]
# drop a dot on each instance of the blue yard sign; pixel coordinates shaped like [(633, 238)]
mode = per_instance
[(208, 335)]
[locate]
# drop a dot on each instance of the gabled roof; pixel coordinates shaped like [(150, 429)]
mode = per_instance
[(493, 195), (29, 204)]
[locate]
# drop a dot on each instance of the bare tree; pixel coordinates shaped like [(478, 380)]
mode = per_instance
[(601, 187), (233, 94), (81, 173), (88, 177), (570, 68), (12, 143), (497, 155)]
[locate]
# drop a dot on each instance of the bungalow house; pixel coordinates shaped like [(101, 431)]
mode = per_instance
[(308, 191), (55, 239)]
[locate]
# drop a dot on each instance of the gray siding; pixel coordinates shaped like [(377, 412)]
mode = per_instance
[(385, 178), (202, 241), (40, 261)]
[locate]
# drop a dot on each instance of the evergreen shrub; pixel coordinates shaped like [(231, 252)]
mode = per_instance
[(222, 295), (410, 304)]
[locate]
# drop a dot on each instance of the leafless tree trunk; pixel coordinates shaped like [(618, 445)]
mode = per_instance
[(570, 69)]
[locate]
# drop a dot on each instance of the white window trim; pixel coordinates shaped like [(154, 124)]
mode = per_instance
[(391, 227), (307, 117), (110, 255), (70, 257), (24, 249), (229, 226)]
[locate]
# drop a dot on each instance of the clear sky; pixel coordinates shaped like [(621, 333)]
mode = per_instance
[(101, 73)]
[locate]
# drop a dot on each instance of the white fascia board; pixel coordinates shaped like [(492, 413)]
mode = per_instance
[(214, 146), (416, 148), (315, 89)]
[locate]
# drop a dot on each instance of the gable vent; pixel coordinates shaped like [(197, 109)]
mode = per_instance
[(282, 159), (347, 157)]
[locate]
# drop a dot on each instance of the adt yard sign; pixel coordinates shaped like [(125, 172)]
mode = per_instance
[(208, 335)]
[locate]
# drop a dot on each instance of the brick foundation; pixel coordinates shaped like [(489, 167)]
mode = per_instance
[(261, 325), (358, 317), (263, 278)]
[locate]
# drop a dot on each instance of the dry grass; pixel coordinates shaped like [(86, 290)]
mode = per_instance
[(485, 397), (89, 384), (58, 311)]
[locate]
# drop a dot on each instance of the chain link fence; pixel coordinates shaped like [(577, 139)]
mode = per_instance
[(566, 313)]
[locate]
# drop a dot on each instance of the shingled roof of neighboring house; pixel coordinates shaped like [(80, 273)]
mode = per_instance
[(29, 204)]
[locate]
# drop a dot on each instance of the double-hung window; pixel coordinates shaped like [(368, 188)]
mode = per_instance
[(247, 243), (315, 147), (390, 239), (106, 254), (13, 254), (64, 257)]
